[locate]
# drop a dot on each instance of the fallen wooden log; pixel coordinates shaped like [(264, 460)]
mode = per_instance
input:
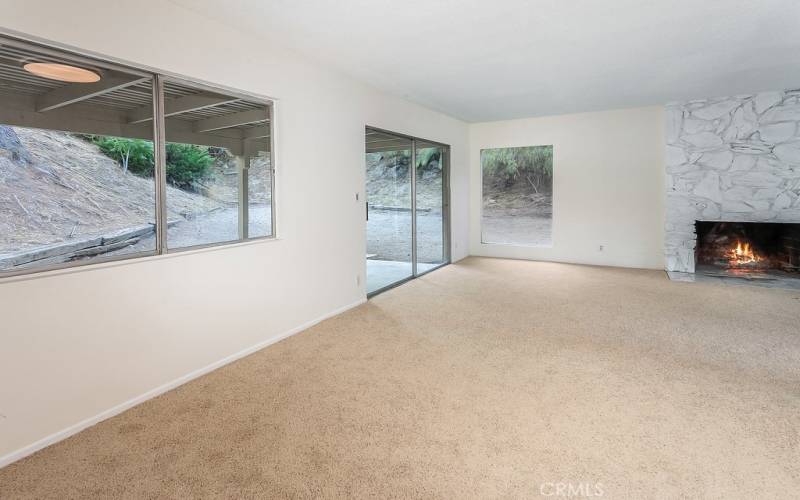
[(50, 261), (66, 251), (127, 234), (48, 251), (90, 252)]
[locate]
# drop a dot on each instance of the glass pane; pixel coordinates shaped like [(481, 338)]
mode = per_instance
[(431, 226), (202, 195), (517, 195), (211, 138), (388, 160), (260, 196), (76, 175)]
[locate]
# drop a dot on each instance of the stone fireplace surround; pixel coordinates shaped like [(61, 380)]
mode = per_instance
[(729, 159)]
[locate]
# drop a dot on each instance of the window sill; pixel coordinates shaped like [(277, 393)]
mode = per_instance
[(69, 268)]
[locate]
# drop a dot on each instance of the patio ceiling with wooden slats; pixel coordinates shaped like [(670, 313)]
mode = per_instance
[(120, 104)]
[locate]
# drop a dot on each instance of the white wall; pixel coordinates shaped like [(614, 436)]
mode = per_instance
[(75, 344), (608, 186)]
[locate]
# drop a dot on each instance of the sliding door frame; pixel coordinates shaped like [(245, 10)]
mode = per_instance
[(445, 158), (446, 238)]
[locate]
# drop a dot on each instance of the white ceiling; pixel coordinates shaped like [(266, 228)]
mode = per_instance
[(482, 60)]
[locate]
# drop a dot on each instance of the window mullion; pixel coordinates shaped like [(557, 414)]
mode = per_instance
[(160, 159), (243, 165)]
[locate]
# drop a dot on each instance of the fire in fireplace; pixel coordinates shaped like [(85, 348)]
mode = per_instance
[(743, 256), (748, 246)]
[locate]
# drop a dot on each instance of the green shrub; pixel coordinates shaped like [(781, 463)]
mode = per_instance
[(135, 155), (426, 156), (187, 164), (506, 165)]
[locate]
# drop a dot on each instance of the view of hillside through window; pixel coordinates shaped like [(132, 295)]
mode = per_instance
[(68, 197), (84, 178), (517, 195), (212, 175)]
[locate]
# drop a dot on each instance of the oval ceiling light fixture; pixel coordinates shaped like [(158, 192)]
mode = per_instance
[(62, 72)]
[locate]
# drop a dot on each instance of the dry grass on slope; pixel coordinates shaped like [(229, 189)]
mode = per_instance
[(70, 189)]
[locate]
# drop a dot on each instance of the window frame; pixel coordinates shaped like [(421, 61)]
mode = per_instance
[(158, 77), (162, 242)]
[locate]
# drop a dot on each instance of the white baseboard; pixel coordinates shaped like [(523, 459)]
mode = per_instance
[(116, 410)]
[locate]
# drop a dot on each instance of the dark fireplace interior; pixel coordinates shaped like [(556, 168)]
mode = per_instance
[(743, 247)]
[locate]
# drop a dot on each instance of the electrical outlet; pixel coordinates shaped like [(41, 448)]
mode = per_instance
[(602, 247), (358, 280), (357, 196)]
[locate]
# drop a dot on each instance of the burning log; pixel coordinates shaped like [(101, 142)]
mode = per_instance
[(743, 256)]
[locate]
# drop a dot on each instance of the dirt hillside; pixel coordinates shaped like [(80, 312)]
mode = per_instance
[(389, 184), (55, 186)]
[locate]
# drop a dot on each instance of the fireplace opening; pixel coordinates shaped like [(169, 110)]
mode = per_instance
[(741, 248)]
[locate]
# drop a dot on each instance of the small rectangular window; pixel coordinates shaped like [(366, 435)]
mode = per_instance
[(517, 205)]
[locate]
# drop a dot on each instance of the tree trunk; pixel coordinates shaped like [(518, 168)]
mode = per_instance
[(125, 160)]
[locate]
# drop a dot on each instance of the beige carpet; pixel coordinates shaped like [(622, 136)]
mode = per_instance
[(488, 378)]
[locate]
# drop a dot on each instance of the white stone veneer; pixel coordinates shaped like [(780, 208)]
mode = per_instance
[(733, 159)]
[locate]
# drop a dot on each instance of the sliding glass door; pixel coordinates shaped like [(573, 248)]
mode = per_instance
[(406, 208), (431, 224)]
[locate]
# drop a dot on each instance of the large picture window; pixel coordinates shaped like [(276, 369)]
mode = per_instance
[(101, 162), (517, 204)]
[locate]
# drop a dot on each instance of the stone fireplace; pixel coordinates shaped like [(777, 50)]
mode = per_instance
[(733, 161)]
